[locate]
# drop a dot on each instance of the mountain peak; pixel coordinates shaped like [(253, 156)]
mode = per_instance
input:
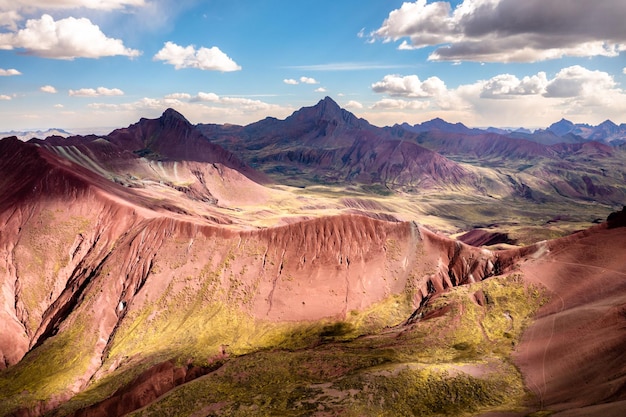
[(607, 123), (562, 127), (328, 106), (171, 115), (328, 110)]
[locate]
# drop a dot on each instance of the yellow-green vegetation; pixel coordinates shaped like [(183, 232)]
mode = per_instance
[(39, 256), (454, 363), (49, 371)]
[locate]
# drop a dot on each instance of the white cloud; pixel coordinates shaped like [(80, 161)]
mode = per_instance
[(308, 80), (577, 81), (9, 72), (321, 90), (508, 30), (237, 110), (507, 86), (208, 97), (9, 18), (532, 100), (67, 38), (58, 106), (290, 81), (96, 92), (624, 70), (48, 89), (389, 103), (210, 59), (352, 104), (70, 4), (409, 86), (178, 96), (4, 97)]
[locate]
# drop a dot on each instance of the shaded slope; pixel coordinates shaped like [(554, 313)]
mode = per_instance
[(572, 356)]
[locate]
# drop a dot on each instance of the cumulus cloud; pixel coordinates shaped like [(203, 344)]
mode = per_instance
[(291, 81), (210, 59), (9, 72), (96, 92), (4, 97), (67, 38), (207, 97), (578, 81), (398, 104), (409, 86), (531, 100), (308, 80), (48, 89), (507, 86), (220, 109), (508, 30), (321, 90), (352, 104)]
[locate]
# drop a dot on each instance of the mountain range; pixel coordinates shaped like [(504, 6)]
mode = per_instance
[(309, 266), (563, 131), (31, 134)]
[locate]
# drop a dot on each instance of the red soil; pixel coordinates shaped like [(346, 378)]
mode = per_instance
[(572, 356)]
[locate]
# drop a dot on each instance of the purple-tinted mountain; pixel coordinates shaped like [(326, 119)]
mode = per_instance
[(585, 170), (168, 138), (563, 131), (325, 143), (606, 132), (442, 125)]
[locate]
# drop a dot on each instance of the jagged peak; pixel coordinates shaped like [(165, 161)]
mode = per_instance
[(328, 106), (171, 114), (327, 109)]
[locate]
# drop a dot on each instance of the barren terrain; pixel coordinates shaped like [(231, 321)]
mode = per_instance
[(154, 272)]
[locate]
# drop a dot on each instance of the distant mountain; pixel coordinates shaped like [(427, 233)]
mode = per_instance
[(442, 125), (536, 169), (30, 134), (327, 144), (606, 132), (563, 131), (168, 138)]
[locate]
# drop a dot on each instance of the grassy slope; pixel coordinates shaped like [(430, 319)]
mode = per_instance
[(448, 365)]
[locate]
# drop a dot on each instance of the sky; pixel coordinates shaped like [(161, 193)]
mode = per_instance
[(89, 66)]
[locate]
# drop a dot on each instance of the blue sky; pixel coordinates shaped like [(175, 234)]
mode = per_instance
[(100, 64)]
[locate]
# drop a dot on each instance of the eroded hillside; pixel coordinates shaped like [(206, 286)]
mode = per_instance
[(152, 271)]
